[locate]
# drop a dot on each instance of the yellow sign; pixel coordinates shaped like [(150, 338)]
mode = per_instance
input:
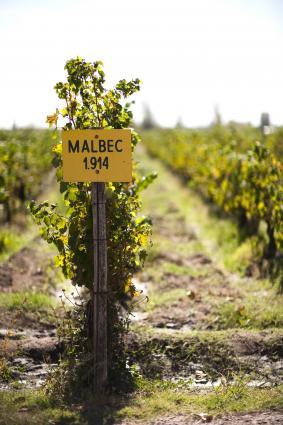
[(97, 155)]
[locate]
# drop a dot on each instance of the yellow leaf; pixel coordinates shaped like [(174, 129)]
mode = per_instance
[(128, 285), (52, 119), (57, 148)]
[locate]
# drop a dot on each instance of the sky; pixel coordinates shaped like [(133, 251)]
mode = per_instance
[(193, 56)]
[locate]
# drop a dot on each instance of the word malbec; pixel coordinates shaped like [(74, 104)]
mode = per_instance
[(94, 146), (102, 155)]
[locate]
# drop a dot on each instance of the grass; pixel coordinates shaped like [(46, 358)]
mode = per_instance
[(172, 268), (252, 314), (12, 239), (33, 408), (164, 299), (28, 301), (207, 336), (259, 307), (152, 399), (162, 244)]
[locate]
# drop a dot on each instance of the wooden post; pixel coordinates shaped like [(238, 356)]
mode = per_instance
[(99, 288)]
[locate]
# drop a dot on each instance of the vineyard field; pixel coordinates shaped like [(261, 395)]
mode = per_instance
[(239, 172), (25, 174), (198, 318)]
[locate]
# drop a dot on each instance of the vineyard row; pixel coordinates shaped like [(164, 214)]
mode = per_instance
[(25, 162), (236, 169)]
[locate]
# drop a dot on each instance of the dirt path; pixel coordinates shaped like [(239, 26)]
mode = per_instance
[(188, 288)]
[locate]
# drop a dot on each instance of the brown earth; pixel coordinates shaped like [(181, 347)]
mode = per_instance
[(28, 341), (206, 285), (272, 417), (31, 268), (204, 289), (38, 347)]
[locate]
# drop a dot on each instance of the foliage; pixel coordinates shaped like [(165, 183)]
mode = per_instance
[(232, 170), (25, 158), (88, 104), (71, 378)]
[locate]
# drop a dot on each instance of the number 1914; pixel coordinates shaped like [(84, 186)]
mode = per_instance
[(94, 163)]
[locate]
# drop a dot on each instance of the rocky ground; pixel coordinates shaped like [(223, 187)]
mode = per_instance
[(28, 316)]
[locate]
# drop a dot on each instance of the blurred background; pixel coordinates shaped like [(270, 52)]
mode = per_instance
[(194, 57)]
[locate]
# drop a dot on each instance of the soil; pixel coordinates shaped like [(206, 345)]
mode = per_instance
[(204, 284), (29, 345), (272, 417), (31, 268), (35, 345), (201, 361)]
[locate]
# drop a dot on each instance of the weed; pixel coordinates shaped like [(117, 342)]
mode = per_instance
[(233, 388), (5, 370)]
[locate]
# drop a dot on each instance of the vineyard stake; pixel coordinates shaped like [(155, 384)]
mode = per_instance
[(99, 288), (98, 156)]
